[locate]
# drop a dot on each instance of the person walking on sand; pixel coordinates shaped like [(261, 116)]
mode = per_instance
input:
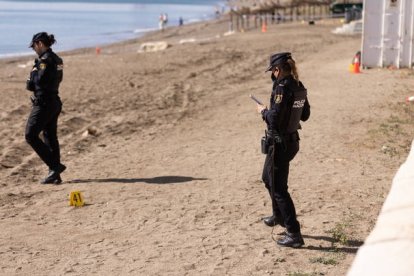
[(288, 105), (44, 80)]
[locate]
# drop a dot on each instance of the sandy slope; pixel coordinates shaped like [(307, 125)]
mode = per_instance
[(170, 169)]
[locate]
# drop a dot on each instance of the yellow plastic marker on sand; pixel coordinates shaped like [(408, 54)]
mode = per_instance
[(76, 199)]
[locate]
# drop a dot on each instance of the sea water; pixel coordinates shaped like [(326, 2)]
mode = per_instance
[(91, 23)]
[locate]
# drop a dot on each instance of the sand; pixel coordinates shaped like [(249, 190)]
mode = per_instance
[(164, 147)]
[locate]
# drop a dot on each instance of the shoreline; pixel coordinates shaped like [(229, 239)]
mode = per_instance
[(101, 34), (166, 34)]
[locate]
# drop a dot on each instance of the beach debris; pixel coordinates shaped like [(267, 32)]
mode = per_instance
[(153, 46), (392, 151), (354, 27), (28, 64), (187, 40), (229, 33), (90, 131), (200, 40)]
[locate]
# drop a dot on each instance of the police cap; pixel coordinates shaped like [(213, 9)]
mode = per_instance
[(42, 36), (278, 58)]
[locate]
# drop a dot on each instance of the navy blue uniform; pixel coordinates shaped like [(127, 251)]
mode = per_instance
[(288, 105), (45, 77)]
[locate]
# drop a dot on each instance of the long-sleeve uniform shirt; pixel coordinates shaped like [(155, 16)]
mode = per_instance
[(46, 75), (288, 106)]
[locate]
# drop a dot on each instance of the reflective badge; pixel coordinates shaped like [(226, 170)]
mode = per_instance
[(278, 98), (42, 66)]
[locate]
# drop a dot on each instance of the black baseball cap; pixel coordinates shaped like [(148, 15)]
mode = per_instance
[(42, 36), (278, 58)]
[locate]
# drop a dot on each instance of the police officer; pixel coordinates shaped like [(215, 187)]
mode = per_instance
[(288, 105), (44, 80)]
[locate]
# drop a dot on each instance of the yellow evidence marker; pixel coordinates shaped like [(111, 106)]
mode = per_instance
[(76, 199)]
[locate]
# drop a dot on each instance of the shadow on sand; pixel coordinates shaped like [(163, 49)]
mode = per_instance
[(351, 248), (171, 179)]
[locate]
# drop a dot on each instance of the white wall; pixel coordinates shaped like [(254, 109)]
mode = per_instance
[(387, 38)]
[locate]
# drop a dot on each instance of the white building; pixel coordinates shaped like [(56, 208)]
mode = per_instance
[(388, 34)]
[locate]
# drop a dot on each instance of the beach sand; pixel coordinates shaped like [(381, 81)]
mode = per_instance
[(164, 147)]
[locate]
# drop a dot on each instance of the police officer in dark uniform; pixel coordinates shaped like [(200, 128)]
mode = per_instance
[(288, 105), (44, 80)]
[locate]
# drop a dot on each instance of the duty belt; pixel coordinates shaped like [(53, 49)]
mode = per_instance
[(279, 138), (274, 136)]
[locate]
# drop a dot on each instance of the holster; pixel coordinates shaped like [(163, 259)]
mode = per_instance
[(264, 145), (268, 140)]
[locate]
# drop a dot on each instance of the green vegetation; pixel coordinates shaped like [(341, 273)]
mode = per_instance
[(323, 260), (339, 234)]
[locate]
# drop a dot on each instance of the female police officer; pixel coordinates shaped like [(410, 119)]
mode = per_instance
[(44, 80), (288, 105)]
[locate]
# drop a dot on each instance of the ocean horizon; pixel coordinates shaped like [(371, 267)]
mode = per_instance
[(91, 23)]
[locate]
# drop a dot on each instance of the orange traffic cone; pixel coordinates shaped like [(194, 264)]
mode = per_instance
[(409, 99), (264, 27), (356, 67), (356, 63)]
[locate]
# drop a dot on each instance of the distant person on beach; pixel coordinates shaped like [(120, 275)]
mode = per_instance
[(44, 80), (161, 22), (217, 12), (288, 106), (180, 21)]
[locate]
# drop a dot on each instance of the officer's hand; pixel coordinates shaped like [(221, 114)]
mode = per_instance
[(260, 108)]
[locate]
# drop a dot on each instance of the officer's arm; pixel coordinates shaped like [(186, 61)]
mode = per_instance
[(271, 116), (43, 74), (306, 111), (30, 85)]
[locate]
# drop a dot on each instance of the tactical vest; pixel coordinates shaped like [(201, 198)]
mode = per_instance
[(48, 75), (290, 106)]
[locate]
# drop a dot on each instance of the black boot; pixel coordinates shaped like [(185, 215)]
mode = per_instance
[(273, 221), (61, 168), (53, 176), (294, 240)]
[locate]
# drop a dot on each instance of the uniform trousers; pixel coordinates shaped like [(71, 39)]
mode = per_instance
[(282, 203), (44, 117)]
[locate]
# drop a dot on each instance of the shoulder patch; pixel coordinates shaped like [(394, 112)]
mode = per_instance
[(42, 66), (278, 98)]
